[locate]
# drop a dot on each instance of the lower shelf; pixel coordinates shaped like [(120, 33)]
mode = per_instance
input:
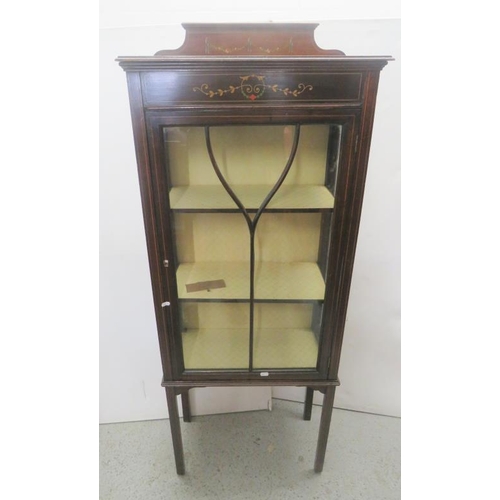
[(220, 348)]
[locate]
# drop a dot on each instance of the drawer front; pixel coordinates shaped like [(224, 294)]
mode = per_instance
[(169, 88)]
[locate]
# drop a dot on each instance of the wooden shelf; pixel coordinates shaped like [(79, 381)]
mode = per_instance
[(274, 281), (212, 348), (304, 198)]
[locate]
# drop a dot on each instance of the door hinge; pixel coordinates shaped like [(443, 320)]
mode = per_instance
[(165, 263)]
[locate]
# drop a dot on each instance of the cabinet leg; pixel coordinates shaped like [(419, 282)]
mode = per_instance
[(175, 428), (186, 407), (309, 403), (324, 428)]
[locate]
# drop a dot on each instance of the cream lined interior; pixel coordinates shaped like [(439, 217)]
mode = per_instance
[(247, 155), (282, 336), (215, 237), (222, 348), (214, 245)]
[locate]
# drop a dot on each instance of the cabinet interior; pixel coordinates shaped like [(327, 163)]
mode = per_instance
[(213, 242)]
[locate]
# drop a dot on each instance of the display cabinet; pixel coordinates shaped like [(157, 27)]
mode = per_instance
[(252, 147)]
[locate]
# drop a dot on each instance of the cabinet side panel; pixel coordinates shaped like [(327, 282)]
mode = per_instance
[(353, 215), (333, 266), (144, 170)]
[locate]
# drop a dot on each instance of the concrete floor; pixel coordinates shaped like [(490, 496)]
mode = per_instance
[(255, 455)]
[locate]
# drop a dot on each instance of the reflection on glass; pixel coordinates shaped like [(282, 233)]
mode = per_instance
[(234, 315)]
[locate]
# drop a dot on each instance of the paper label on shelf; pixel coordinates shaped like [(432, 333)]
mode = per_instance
[(205, 285)]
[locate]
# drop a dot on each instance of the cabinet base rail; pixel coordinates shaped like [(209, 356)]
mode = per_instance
[(182, 385)]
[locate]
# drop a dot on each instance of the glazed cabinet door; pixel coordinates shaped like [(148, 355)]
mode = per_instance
[(248, 222)]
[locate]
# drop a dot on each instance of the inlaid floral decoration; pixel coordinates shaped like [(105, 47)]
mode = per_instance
[(252, 87)]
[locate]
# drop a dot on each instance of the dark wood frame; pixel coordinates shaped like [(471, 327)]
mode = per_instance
[(156, 102)]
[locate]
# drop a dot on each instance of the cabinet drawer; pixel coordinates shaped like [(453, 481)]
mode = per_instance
[(167, 88)]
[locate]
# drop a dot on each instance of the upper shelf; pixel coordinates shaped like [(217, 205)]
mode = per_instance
[(300, 198)]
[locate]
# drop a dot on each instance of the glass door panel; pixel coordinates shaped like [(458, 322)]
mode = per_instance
[(215, 335), (284, 337), (252, 209), (212, 247), (212, 271)]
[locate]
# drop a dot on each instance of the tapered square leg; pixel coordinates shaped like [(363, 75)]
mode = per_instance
[(309, 403), (175, 428), (324, 428), (186, 407)]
